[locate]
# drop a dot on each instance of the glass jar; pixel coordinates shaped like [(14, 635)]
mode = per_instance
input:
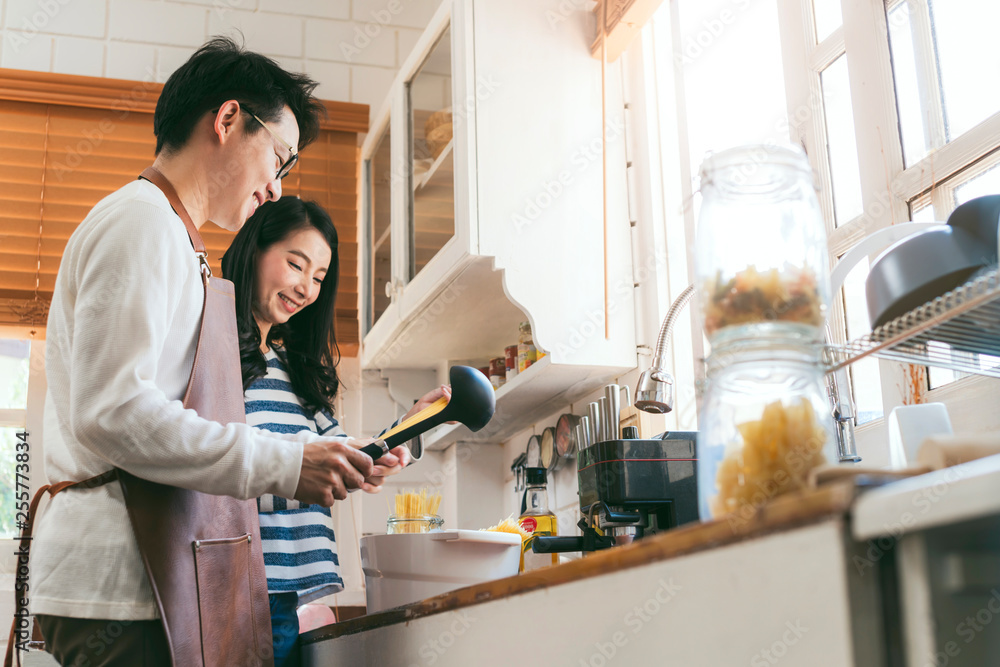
[(765, 425), (760, 253), (418, 523), (526, 352)]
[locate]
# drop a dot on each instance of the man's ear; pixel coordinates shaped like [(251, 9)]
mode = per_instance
[(226, 121)]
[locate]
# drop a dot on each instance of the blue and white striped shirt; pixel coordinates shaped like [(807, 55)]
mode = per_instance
[(300, 549)]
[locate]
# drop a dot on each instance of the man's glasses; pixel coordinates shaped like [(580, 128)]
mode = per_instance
[(293, 154)]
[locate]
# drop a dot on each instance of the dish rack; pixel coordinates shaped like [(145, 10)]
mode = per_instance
[(959, 330)]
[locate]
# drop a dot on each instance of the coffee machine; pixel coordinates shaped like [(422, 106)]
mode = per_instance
[(630, 488)]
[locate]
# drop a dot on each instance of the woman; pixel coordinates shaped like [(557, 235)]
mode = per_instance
[(285, 267)]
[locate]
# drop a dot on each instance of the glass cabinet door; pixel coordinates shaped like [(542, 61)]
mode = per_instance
[(432, 182), (378, 179)]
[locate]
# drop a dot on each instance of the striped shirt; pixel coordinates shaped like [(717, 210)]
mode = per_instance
[(300, 549)]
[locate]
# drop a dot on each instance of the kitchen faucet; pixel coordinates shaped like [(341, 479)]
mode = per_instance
[(655, 389), (838, 388)]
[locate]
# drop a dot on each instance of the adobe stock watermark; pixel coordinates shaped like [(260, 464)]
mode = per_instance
[(591, 323), (421, 325), (31, 26), (370, 30), (559, 15), (922, 504), (552, 188), (634, 620), (485, 87), (967, 629), (711, 30), (95, 135), (778, 649), (433, 649)]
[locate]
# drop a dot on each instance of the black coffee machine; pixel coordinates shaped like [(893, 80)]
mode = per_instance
[(630, 488)]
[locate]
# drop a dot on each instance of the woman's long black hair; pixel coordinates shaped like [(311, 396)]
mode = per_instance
[(308, 341)]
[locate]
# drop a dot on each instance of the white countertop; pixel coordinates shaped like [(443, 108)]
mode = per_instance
[(959, 493)]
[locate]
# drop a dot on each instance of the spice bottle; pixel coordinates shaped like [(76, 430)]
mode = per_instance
[(536, 520), (498, 372), (526, 353), (510, 361)]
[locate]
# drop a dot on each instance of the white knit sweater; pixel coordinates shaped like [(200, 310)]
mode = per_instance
[(121, 339)]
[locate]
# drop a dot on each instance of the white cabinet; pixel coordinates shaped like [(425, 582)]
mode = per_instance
[(522, 177)]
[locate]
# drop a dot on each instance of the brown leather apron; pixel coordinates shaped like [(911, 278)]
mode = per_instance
[(202, 552)]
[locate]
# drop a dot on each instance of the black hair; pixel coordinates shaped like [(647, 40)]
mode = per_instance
[(307, 342), (222, 70)]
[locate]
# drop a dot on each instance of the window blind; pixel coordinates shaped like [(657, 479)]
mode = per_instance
[(66, 142)]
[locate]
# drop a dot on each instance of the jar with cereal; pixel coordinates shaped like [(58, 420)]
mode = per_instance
[(761, 253), (765, 425)]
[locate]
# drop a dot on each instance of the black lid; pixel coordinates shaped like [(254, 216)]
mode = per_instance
[(536, 476)]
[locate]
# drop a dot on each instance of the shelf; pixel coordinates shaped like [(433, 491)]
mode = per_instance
[(533, 395), (425, 178), (952, 331)]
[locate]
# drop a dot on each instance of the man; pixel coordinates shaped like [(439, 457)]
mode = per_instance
[(122, 332)]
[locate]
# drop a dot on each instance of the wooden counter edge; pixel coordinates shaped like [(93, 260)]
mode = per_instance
[(790, 511)]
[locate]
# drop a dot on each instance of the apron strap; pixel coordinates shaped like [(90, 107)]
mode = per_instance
[(153, 175), (25, 547)]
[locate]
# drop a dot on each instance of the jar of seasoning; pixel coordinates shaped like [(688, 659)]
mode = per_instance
[(510, 361), (761, 261), (498, 372), (526, 353), (765, 425)]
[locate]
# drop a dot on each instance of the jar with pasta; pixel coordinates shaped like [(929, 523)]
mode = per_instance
[(760, 252), (765, 426)]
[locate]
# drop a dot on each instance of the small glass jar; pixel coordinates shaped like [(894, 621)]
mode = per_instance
[(765, 425), (761, 254), (418, 523), (526, 352)]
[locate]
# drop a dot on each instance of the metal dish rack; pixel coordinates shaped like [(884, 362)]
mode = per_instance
[(959, 330)]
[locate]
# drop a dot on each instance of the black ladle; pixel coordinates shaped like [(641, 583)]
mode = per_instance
[(473, 402)]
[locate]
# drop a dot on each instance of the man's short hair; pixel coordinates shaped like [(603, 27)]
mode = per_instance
[(222, 70)]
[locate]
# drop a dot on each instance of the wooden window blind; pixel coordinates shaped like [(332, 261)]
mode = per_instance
[(66, 142)]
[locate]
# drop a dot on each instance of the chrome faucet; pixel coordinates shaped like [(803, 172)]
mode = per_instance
[(655, 389), (838, 388)]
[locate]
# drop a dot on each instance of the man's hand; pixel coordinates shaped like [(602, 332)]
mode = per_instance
[(330, 468)]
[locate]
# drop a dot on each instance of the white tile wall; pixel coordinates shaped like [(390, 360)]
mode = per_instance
[(369, 85), (83, 18), (130, 61), (352, 47), (268, 33), (75, 55), (157, 23)]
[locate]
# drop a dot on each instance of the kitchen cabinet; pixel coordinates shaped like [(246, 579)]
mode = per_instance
[(468, 232)]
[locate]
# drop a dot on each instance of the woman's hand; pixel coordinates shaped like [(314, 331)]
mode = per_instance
[(428, 399), (390, 464)]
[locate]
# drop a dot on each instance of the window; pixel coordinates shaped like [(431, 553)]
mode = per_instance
[(14, 367), (887, 97)]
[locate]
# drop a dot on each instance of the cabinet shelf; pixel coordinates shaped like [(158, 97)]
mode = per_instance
[(425, 178), (531, 396), (953, 331)]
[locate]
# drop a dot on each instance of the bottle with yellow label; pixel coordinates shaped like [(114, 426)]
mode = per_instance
[(536, 520)]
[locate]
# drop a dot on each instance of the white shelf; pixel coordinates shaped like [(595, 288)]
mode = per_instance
[(424, 179), (533, 395)]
